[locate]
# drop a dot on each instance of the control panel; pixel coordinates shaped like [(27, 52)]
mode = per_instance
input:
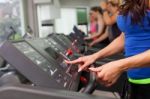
[(54, 54), (79, 35), (63, 43), (41, 64)]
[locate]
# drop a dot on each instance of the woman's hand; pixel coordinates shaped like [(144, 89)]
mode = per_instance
[(87, 38), (92, 44), (109, 73), (84, 62)]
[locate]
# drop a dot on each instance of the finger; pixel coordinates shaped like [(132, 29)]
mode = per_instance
[(102, 82), (85, 38), (95, 69), (109, 84), (92, 69), (99, 77), (83, 67), (74, 61), (106, 79), (105, 83), (79, 65)]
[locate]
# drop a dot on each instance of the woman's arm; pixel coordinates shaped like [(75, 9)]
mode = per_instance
[(95, 35), (101, 24), (137, 61), (113, 48), (101, 27), (99, 39), (109, 73)]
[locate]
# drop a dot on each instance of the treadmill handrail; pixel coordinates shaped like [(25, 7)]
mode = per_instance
[(32, 92)]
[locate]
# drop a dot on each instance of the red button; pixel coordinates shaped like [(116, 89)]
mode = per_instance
[(69, 52), (83, 80)]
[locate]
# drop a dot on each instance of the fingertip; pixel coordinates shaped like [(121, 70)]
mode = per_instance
[(80, 69), (66, 61), (108, 85), (92, 69)]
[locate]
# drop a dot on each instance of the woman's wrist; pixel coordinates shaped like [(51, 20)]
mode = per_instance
[(124, 64), (98, 55), (95, 56)]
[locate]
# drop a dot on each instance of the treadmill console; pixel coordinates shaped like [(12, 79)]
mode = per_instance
[(79, 35), (40, 64), (54, 54), (63, 43)]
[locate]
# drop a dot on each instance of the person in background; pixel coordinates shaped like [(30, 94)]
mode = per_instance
[(134, 22), (97, 25), (110, 12), (93, 20)]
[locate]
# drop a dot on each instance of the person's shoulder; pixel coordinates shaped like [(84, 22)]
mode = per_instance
[(148, 11), (120, 17), (121, 22)]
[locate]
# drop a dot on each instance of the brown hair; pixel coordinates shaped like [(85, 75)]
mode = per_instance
[(97, 9), (114, 2), (136, 8)]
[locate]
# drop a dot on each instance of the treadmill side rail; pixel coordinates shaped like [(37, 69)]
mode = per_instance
[(30, 92)]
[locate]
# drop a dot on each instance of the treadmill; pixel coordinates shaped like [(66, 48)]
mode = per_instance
[(48, 78)]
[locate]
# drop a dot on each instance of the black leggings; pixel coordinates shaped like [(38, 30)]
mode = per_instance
[(139, 91)]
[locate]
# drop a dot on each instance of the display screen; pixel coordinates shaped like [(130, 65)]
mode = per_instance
[(35, 57), (52, 53), (58, 57)]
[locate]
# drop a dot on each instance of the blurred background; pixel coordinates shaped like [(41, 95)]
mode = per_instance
[(45, 16)]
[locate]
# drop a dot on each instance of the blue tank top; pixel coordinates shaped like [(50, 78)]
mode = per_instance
[(137, 40)]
